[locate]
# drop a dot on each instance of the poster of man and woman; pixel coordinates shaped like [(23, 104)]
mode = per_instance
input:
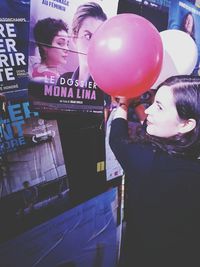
[(59, 41)]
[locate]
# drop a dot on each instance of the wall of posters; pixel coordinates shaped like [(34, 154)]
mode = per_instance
[(32, 168)]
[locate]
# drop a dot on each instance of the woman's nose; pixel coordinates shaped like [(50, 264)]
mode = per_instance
[(149, 110), (66, 49)]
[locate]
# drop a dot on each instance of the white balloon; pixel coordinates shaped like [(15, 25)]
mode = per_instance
[(180, 55)]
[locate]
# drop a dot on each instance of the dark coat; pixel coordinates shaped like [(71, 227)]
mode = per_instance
[(163, 204)]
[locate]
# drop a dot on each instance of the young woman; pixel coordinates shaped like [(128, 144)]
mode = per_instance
[(51, 36), (162, 177), (188, 24)]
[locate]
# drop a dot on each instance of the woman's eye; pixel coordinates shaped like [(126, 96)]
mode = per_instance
[(61, 43), (159, 107), (88, 36)]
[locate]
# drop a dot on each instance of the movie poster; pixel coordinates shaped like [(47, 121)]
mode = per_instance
[(60, 32), (33, 145), (33, 176), (185, 16), (14, 34)]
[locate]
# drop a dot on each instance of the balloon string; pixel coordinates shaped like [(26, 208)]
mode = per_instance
[(52, 46)]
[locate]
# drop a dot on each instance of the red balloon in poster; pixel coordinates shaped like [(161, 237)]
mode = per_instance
[(125, 55)]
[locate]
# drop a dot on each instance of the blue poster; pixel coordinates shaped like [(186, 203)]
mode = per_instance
[(14, 32)]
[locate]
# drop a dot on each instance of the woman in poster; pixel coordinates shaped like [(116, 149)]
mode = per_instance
[(51, 37), (188, 24)]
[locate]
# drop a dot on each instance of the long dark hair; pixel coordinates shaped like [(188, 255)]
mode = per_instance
[(186, 92), (183, 28)]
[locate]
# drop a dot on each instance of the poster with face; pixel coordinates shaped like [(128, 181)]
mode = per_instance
[(60, 33), (185, 15)]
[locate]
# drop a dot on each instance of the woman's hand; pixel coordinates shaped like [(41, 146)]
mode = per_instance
[(124, 103)]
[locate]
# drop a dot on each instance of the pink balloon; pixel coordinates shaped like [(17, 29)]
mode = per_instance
[(125, 55)]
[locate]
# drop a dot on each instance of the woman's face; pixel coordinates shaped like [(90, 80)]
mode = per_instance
[(58, 52), (162, 116), (88, 27), (189, 22)]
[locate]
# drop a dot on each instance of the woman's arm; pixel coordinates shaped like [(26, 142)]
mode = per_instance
[(129, 154), (118, 138)]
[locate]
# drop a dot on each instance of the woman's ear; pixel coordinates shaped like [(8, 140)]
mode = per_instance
[(187, 126)]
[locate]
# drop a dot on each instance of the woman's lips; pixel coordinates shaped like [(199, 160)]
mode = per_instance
[(148, 122)]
